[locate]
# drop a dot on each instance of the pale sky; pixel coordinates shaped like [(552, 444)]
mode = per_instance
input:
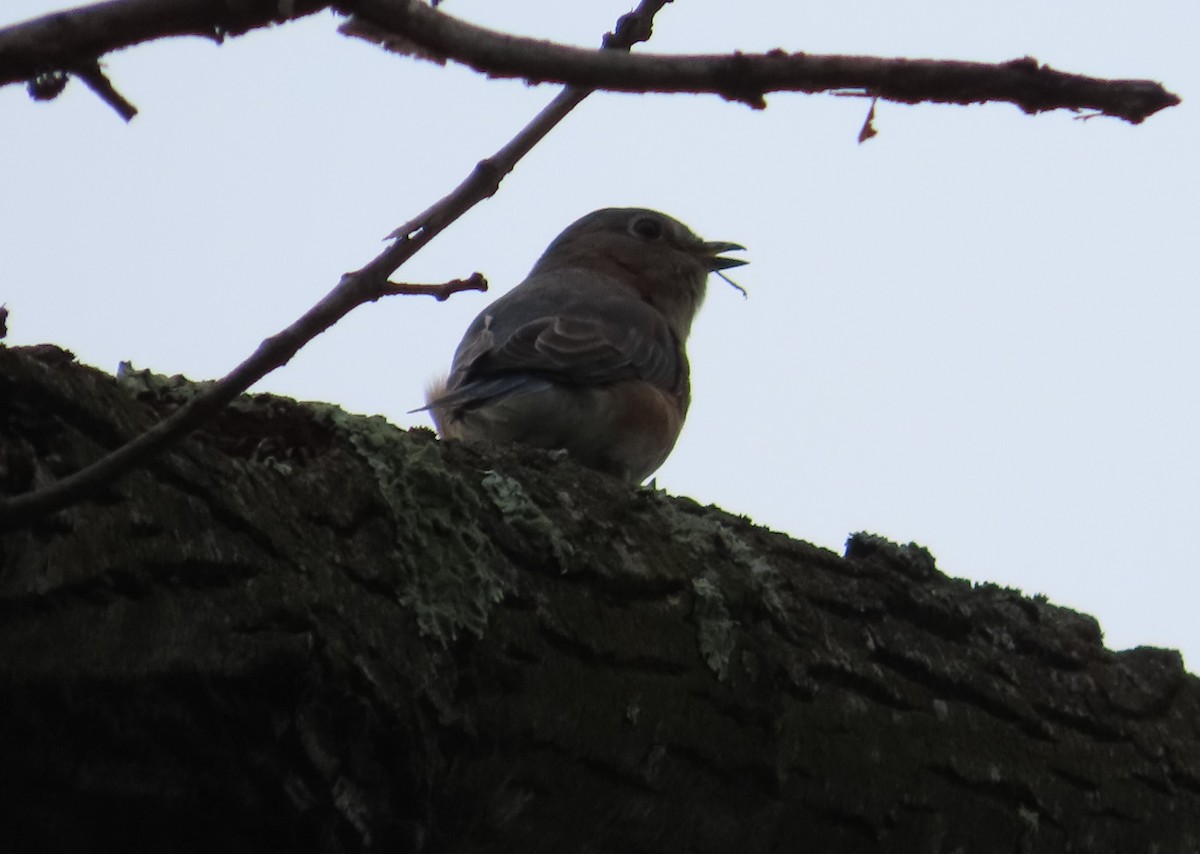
[(978, 331)]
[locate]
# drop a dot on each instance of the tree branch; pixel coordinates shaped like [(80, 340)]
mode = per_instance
[(749, 77), (42, 49), (442, 292), (366, 285), (66, 40)]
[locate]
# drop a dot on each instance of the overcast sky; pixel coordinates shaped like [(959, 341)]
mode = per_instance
[(978, 331)]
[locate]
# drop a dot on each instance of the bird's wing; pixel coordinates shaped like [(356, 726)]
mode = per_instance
[(584, 351), (564, 331)]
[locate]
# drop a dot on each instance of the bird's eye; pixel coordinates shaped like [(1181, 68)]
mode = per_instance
[(647, 228)]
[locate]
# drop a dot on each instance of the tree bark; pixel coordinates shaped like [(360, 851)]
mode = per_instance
[(303, 630)]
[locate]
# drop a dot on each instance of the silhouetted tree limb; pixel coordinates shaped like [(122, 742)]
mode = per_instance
[(748, 77), (74, 39)]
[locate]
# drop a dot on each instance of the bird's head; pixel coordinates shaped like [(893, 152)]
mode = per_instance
[(649, 251)]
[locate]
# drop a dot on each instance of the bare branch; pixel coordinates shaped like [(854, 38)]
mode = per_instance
[(442, 292), (68, 39), (749, 77), (366, 285), (42, 50)]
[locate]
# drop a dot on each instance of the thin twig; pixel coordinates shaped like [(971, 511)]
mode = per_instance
[(366, 285), (442, 292), (94, 77)]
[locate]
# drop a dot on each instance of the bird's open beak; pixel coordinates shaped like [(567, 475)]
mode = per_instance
[(712, 254)]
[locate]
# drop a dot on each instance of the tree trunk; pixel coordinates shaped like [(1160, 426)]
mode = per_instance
[(303, 630)]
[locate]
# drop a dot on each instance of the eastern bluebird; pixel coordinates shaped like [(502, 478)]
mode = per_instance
[(587, 354)]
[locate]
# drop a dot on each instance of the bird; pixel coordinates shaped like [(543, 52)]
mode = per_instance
[(587, 354)]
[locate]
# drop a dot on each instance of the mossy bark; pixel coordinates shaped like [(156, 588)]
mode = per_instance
[(302, 630)]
